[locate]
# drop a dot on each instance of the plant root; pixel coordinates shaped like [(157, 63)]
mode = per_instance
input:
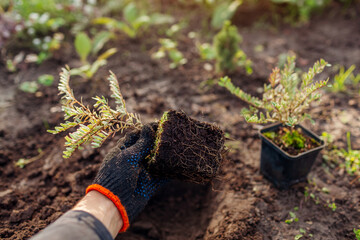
[(187, 149)]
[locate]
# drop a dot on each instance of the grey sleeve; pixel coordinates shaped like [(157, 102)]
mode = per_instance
[(75, 225)]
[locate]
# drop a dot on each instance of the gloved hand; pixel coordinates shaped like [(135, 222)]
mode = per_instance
[(123, 179)]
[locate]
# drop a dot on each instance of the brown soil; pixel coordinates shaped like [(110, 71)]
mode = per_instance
[(278, 139), (188, 149), (241, 204)]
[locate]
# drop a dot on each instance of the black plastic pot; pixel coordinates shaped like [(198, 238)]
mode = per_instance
[(282, 169)]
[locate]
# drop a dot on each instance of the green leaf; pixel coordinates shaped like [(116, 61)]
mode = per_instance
[(167, 43), (29, 87), (10, 65), (288, 221), (159, 54), (46, 80), (95, 67), (80, 71), (158, 18), (126, 29), (207, 52), (297, 237), (109, 22), (175, 28), (130, 12), (142, 21), (223, 12), (108, 53), (173, 65), (292, 214), (21, 163), (271, 135), (357, 233), (290, 122), (325, 190), (100, 40), (175, 55), (55, 23), (42, 56), (83, 45)]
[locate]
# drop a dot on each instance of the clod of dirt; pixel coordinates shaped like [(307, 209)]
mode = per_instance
[(21, 215), (186, 149)]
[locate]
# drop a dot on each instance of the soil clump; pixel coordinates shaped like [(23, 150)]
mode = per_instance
[(187, 149)]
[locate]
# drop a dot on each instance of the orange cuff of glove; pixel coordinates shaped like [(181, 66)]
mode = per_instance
[(115, 200)]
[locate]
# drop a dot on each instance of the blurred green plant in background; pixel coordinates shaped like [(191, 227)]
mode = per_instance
[(357, 233), (217, 11), (85, 47), (41, 26), (32, 86), (348, 159), (136, 20), (222, 11), (228, 55), (301, 10), (169, 48), (225, 50), (345, 80)]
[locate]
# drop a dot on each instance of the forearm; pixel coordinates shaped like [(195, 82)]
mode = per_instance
[(75, 225), (103, 209), (94, 218)]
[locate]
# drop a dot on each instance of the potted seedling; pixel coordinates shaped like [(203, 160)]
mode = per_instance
[(184, 149), (288, 149)]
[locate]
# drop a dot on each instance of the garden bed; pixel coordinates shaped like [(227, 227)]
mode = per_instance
[(240, 204)]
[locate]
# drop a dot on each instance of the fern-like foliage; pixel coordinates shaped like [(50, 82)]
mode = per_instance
[(92, 125), (286, 99)]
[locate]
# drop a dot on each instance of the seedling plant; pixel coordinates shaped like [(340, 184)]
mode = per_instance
[(86, 47), (169, 48), (92, 126), (22, 162), (302, 234), (285, 100), (293, 217), (222, 11), (357, 233), (351, 157), (319, 195), (300, 11), (348, 159), (346, 81), (195, 157), (225, 50), (136, 21), (32, 86), (218, 11)]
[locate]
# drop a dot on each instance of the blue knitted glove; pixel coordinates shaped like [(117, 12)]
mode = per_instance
[(123, 179)]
